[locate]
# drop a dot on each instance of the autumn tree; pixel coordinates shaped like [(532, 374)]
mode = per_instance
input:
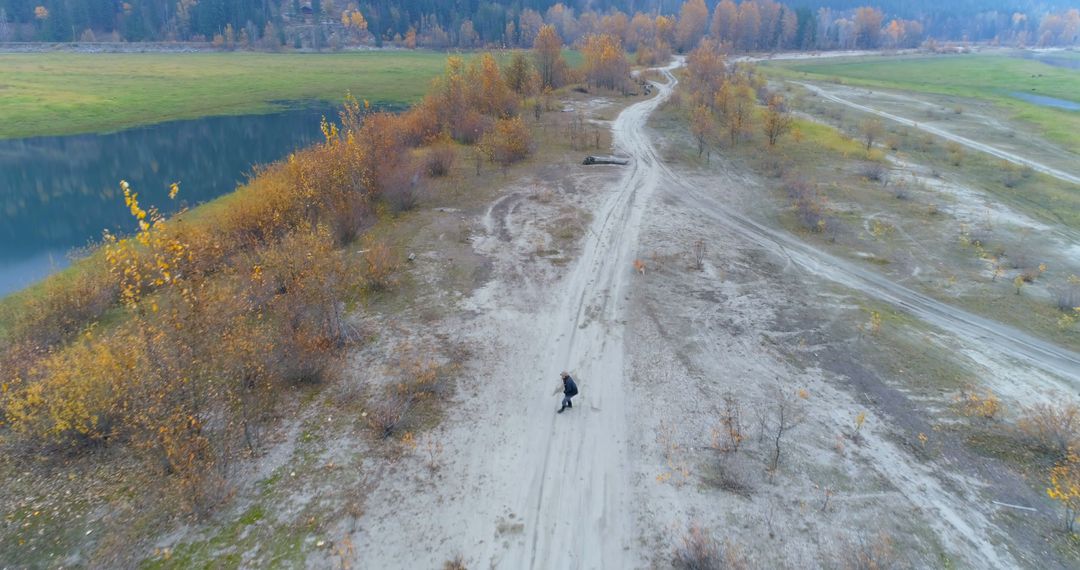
[(547, 55), (777, 120), (705, 73), (605, 62), (735, 101), (724, 23), (519, 73), (702, 126), (665, 29), (868, 27), (508, 142), (489, 93), (871, 130), (641, 30), (1065, 487), (693, 20), (355, 23), (748, 26)]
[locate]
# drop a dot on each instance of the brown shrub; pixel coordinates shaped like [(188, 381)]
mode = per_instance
[(381, 263), (440, 160), (456, 563), (698, 550), (470, 128), (809, 206), (60, 307), (1052, 428), (385, 415)]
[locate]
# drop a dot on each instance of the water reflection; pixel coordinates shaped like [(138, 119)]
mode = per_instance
[(59, 193)]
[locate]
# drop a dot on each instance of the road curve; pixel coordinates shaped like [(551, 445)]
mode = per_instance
[(994, 337), (993, 151)]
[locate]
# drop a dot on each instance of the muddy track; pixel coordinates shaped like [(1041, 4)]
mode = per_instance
[(975, 145)]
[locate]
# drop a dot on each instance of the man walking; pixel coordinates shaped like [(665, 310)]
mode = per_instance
[(569, 390)]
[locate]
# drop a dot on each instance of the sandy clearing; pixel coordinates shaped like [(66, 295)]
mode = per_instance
[(975, 145)]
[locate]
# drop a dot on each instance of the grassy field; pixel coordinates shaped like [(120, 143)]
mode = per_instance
[(988, 77), (67, 93)]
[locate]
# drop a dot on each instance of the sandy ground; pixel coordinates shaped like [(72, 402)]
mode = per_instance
[(614, 482)]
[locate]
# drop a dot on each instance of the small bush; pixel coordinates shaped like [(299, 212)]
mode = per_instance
[(440, 160), (698, 551), (874, 171), (868, 553), (508, 142), (730, 474), (808, 205), (381, 263), (387, 414), (1067, 294), (456, 563), (1052, 428)]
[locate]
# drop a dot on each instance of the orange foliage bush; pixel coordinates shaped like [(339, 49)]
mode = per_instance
[(509, 142)]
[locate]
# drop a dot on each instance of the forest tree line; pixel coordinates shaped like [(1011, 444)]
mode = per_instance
[(746, 25)]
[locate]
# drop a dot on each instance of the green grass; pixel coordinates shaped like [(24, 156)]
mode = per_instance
[(68, 93), (987, 77), (57, 94)]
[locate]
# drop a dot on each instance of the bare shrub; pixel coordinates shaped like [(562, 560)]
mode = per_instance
[(775, 165), (864, 552), (778, 417), (1052, 428), (698, 550), (874, 171), (870, 130), (731, 474), (455, 563), (808, 205), (470, 128), (955, 153), (387, 414), (440, 160), (901, 191), (1020, 257), (1067, 294), (698, 251), (1012, 175), (402, 187)]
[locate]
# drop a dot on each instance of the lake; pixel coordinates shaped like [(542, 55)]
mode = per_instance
[(58, 194)]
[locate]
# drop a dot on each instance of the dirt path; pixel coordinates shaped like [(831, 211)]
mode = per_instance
[(520, 486), (576, 503), (993, 151)]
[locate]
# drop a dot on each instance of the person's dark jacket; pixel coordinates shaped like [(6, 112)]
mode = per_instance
[(569, 387)]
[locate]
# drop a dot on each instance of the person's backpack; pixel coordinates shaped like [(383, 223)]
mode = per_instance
[(571, 387)]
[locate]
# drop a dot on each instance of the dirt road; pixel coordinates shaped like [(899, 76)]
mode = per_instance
[(975, 145), (576, 499)]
